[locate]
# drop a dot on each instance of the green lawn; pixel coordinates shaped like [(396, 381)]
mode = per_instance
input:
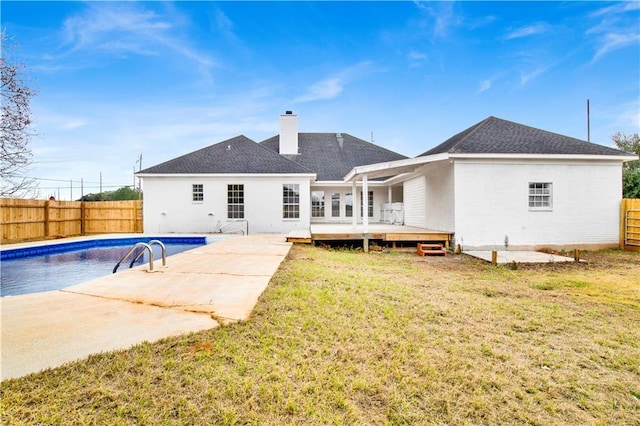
[(344, 337)]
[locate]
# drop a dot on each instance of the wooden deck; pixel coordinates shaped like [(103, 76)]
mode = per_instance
[(376, 231)]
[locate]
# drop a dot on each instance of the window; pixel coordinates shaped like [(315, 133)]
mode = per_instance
[(370, 204), (348, 205), (317, 203), (291, 201), (197, 192), (235, 201), (335, 204), (540, 196)]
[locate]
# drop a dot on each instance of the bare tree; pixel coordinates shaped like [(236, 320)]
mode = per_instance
[(15, 154)]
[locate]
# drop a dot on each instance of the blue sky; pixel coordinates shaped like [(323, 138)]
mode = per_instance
[(120, 79)]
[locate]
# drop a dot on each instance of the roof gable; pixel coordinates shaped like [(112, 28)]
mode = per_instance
[(238, 155), (333, 155), (497, 136)]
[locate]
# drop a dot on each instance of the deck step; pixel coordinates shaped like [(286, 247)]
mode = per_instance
[(299, 236), (431, 250)]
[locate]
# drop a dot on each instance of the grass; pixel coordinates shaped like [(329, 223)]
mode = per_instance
[(344, 337)]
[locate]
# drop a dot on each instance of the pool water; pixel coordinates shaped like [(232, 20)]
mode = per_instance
[(55, 271)]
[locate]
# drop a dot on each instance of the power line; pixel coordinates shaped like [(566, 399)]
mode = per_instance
[(74, 181)]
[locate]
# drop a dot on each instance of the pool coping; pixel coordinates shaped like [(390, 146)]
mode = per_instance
[(103, 240)]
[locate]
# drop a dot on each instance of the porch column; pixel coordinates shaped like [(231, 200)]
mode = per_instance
[(354, 211), (365, 204), (389, 195)]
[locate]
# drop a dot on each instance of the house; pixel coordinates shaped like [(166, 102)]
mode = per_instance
[(500, 184), (495, 184), (278, 185)]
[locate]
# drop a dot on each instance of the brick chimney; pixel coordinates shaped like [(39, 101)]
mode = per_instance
[(288, 134)]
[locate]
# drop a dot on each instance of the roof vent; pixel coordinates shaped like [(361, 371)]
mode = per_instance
[(340, 139)]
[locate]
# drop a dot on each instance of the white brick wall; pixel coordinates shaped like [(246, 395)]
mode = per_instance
[(491, 199), (415, 202), (440, 197), (262, 197)]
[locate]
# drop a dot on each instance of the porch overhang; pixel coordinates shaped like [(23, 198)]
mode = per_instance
[(392, 169)]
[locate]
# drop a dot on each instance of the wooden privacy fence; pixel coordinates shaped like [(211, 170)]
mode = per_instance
[(630, 224), (24, 220)]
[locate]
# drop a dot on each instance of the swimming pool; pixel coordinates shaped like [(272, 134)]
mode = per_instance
[(58, 265)]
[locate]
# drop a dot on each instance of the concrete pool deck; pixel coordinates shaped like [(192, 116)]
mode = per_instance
[(199, 288)]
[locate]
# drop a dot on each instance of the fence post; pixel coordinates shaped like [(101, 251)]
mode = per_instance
[(47, 213), (82, 227), (134, 219), (623, 210)]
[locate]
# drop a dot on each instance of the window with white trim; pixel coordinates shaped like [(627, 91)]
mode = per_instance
[(348, 204), (197, 192), (235, 201), (291, 201), (317, 203), (335, 204), (540, 195), (369, 204)]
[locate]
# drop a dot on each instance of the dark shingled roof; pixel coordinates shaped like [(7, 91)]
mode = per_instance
[(332, 156), (238, 155), (496, 136)]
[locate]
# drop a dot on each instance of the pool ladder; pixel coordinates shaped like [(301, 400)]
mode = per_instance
[(145, 246)]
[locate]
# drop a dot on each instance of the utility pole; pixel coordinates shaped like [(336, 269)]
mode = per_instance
[(100, 184), (588, 123), (139, 163)]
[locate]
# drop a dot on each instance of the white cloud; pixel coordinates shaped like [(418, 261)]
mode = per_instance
[(485, 85), (325, 89), (528, 30), (332, 86), (443, 16), (225, 26), (615, 41), (615, 28), (416, 59), (618, 7), (488, 83), (526, 77), (103, 25), (121, 29)]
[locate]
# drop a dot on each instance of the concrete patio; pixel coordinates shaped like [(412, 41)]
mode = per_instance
[(198, 289), (505, 257)]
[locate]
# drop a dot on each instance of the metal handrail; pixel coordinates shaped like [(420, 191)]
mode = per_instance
[(150, 243), (131, 250)]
